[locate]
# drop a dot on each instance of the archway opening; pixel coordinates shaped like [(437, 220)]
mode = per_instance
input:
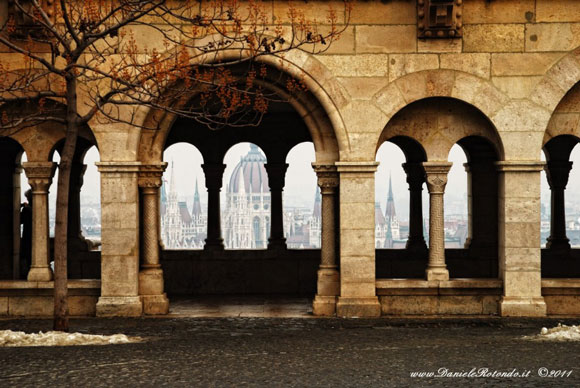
[(302, 200), (183, 199)]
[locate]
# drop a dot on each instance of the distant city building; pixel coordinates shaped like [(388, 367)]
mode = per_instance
[(245, 215), (181, 229), (387, 227)]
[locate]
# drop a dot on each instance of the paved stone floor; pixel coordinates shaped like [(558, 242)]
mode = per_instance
[(291, 352)]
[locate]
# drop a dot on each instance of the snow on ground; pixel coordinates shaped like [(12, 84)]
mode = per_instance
[(558, 333), (56, 338)]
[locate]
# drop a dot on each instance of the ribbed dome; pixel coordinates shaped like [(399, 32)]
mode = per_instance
[(254, 173)]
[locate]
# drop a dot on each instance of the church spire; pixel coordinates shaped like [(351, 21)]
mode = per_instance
[(390, 213), (196, 209), (172, 181)]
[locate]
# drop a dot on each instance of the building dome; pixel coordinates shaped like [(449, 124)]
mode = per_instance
[(251, 168)]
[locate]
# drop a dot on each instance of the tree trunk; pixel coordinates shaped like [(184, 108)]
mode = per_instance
[(60, 231)]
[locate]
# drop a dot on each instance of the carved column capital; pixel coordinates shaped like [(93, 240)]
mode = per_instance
[(276, 175), (39, 175), (558, 172), (150, 175), (327, 177), (213, 175), (436, 174), (415, 175)]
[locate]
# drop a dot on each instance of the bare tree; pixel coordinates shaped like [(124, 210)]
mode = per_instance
[(81, 63)]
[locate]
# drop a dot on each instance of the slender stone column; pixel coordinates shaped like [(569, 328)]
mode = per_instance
[(469, 206), (213, 181), (328, 287), (151, 287), (436, 173), (557, 173), (519, 238), (358, 296), (482, 208), (415, 179), (76, 241), (16, 195), (276, 180), (120, 240), (40, 177)]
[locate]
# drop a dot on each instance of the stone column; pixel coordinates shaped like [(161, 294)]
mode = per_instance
[(151, 287), (76, 241), (120, 240), (415, 179), (482, 207), (358, 296), (16, 195), (40, 177), (557, 173), (328, 286), (436, 173), (519, 238), (213, 181), (276, 180)]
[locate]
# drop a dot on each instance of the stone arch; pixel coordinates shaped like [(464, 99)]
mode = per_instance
[(318, 107), (565, 119), (39, 141), (437, 123), (558, 81), (481, 94)]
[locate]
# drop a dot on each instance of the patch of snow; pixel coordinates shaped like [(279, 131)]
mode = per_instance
[(558, 333), (57, 338)]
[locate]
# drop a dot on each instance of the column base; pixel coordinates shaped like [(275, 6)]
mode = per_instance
[(214, 245), (151, 281), (277, 244), (358, 307), (155, 304), (522, 307), (328, 282), (437, 274), (324, 306), (40, 274), (119, 306), (560, 245)]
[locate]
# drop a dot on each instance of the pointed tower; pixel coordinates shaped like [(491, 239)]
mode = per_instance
[(391, 215), (315, 223), (196, 209)]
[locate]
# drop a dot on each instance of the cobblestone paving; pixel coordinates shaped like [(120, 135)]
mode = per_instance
[(266, 352)]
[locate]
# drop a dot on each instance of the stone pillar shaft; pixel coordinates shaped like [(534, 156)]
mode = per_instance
[(213, 181), (276, 180), (436, 173), (358, 296), (16, 195), (328, 286), (151, 286), (557, 173), (40, 178), (415, 179), (120, 250), (519, 238)]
